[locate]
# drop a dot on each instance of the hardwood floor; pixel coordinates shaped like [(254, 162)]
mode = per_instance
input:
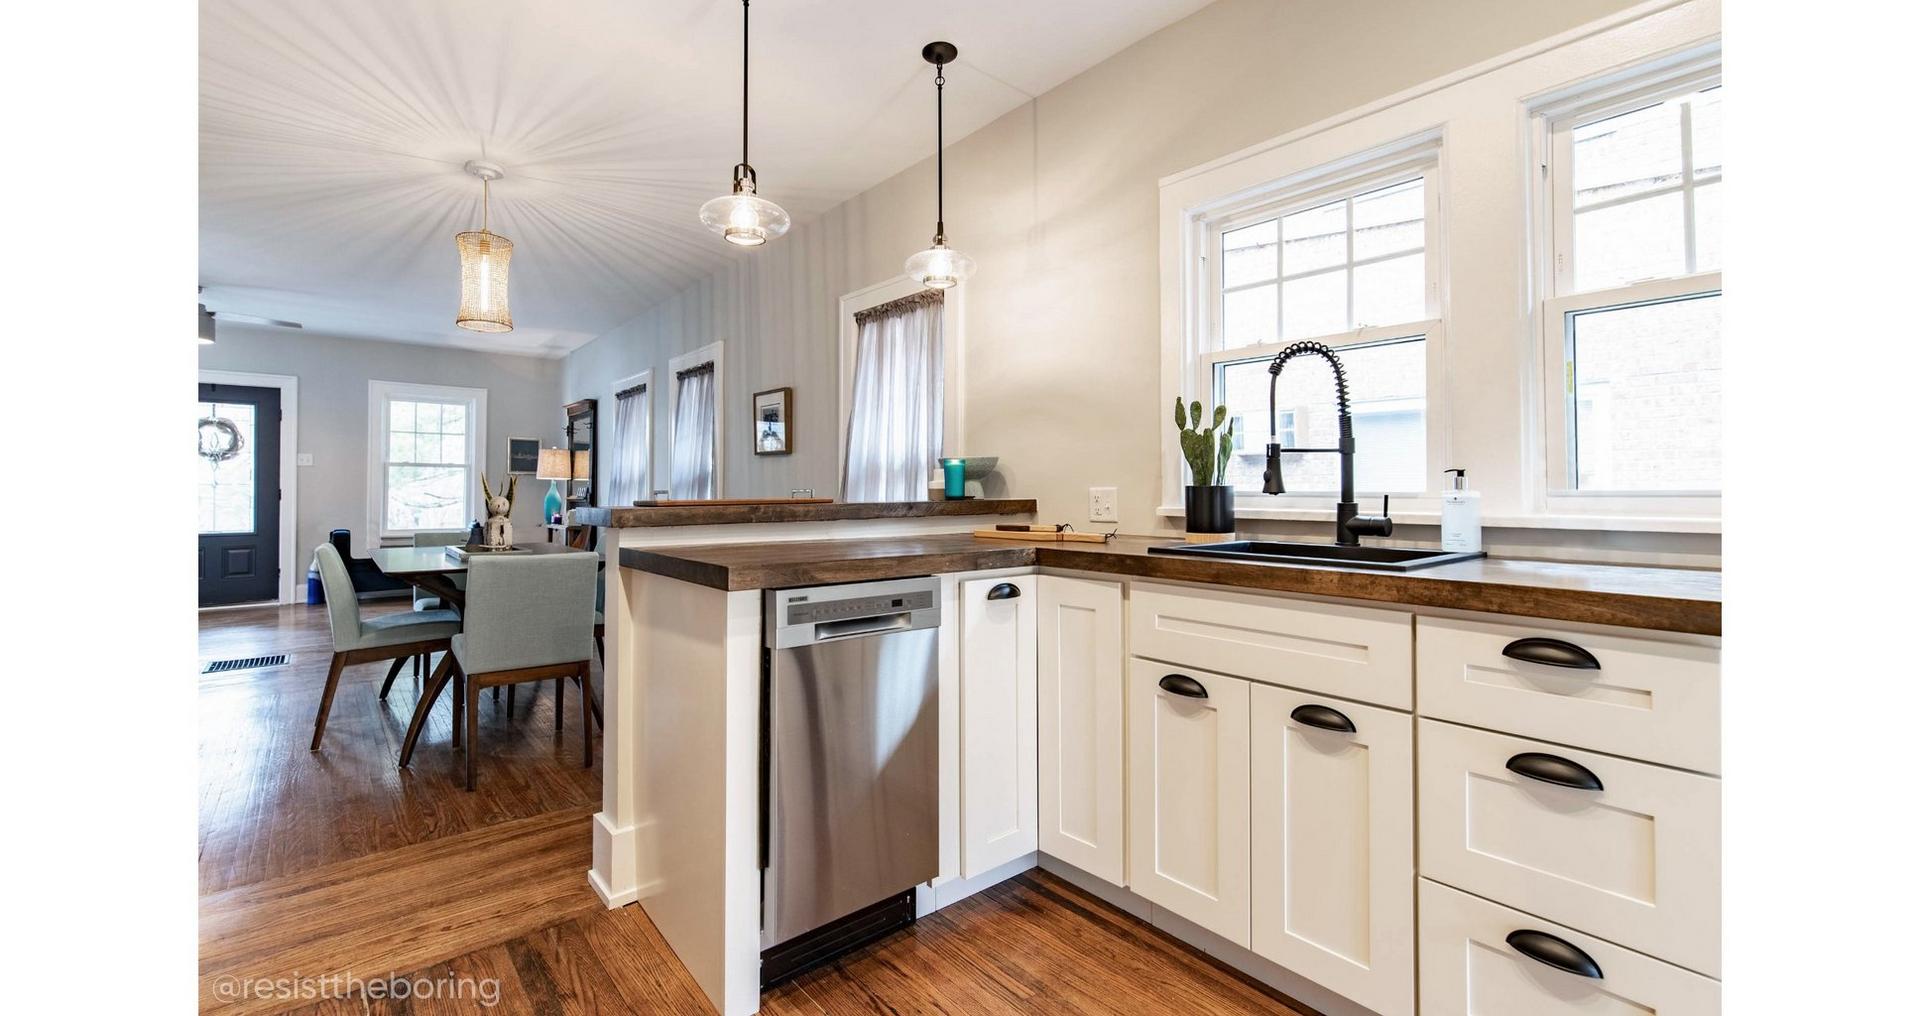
[(336, 865)]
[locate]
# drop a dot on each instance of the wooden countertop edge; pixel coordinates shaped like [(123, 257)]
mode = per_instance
[(695, 515), (1587, 606)]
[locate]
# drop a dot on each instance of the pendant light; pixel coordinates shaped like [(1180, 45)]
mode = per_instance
[(939, 266), (744, 218), (483, 264)]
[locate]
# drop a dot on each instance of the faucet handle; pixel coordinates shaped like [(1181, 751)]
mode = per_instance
[(1384, 513)]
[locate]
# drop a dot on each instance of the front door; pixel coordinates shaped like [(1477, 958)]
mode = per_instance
[(239, 483)]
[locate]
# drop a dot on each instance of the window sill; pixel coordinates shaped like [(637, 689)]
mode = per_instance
[(1569, 523)]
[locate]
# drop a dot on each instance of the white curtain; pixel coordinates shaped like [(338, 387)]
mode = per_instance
[(893, 432), (632, 421), (693, 433)]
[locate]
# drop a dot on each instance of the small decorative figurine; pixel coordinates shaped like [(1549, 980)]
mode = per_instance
[(499, 530)]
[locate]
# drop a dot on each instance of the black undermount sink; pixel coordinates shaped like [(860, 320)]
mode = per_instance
[(1397, 559)]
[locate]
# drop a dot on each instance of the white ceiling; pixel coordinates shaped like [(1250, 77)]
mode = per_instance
[(332, 137)]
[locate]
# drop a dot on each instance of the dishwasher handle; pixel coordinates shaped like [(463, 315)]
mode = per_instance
[(832, 631)]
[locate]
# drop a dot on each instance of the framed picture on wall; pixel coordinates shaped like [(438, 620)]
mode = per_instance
[(523, 455), (773, 422)]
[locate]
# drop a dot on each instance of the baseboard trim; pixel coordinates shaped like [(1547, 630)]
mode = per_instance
[(936, 895), (613, 876)]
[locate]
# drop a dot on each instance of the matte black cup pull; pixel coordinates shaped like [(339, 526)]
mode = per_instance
[(1561, 772), (1181, 684), (1550, 653), (1324, 717), (1004, 591), (1554, 951)]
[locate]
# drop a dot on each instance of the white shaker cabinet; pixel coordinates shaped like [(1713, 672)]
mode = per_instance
[(1082, 738), (1188, 768), (1333, 870), (999, 817)]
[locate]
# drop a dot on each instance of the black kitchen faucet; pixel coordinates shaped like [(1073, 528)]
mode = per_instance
[(1349, 525)]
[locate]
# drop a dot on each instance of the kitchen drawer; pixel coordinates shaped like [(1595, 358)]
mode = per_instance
[(1353, 652), (1468, 967), (1642, 698), (1636, 862)]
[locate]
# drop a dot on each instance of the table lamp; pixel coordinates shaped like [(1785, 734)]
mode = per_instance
[(555, 465)]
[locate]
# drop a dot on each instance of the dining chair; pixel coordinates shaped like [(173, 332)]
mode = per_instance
[(396, 637), (528, 618), (423, 600)]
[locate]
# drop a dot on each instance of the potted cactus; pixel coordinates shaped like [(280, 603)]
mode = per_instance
[(1209, 503)]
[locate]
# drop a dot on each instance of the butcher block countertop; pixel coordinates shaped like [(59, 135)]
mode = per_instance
[(793, 511), (1662, 599)]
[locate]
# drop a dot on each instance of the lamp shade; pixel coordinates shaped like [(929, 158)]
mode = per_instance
[(583, 465), (553, 465), (483, 281)]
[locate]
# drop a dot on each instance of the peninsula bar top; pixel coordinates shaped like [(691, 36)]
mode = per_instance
[(741, 514), (1661, 599)]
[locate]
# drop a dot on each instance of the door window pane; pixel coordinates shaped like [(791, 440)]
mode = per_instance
[(1646, 396), (226, 487), (1388, 385)]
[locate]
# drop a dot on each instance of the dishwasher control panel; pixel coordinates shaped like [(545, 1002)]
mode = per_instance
[(802, 610), (797, 617)]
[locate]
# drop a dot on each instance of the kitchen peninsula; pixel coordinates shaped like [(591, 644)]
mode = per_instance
[(1133, 722)]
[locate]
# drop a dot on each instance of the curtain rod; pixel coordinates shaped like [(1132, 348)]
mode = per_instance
[(625, 392), (905, 303), (698, 368)]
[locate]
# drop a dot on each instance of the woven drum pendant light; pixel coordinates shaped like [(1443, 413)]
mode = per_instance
[(744, 218), (939, 266), (483, 265)]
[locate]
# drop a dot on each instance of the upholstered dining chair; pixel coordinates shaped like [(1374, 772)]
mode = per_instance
[(397, 637), (423, 600), (528, 618)]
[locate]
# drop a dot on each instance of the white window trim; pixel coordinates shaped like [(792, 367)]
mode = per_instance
[(1483, 111), (953, 378), (292, 577), (645, 377), (1553, 117), (379, 393), (716, 352), (1418, 154)]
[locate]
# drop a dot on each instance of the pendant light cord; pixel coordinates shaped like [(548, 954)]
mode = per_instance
[(939, 151), (486, 204), (746, 10)]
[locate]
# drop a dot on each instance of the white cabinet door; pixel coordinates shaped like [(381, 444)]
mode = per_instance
[(999, 817), (1187, 837), (1083, 686), (1481, 959), (1624, 850), (1333, 844)]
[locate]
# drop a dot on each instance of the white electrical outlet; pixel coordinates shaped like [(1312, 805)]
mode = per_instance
[(1103, 504), (303, 459)]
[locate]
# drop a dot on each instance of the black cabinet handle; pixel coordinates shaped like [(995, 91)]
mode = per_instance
[(1324, 717), (1550, 653), (1555, 952), (1561, 772), (1181, 684), (1004, 591)]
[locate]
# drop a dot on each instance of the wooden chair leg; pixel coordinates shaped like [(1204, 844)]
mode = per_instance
[(435, 682), (394, 671), (586, 729), (600, 643), (460, 702), (593, 704), (473, 729), (496, 691), (559, 704), (416, 670), (326, 699), (496, 695)]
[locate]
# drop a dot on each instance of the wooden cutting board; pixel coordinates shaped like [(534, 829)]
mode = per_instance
[(1047, 535), (722, 501)]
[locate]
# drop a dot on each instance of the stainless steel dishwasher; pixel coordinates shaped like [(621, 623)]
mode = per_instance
[(850, 814)]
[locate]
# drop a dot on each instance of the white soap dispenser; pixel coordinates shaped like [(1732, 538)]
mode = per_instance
[(1459, 515)]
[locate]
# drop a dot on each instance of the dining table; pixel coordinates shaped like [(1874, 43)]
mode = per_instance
[(433, 569)]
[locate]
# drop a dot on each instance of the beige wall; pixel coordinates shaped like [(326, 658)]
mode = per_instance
[(1058, 202)]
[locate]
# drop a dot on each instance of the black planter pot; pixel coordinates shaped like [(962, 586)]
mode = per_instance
[(1209, 509)]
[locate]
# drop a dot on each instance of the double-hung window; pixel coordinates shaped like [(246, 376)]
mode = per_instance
[(1350, 259), (1630, 315), (426, 448)]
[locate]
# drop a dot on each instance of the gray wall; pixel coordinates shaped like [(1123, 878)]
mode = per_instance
[(523, 400), (1059, 202)]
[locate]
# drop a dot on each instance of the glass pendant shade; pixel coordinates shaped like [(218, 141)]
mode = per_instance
[(483, 281), (745, 218), (939, 266)]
